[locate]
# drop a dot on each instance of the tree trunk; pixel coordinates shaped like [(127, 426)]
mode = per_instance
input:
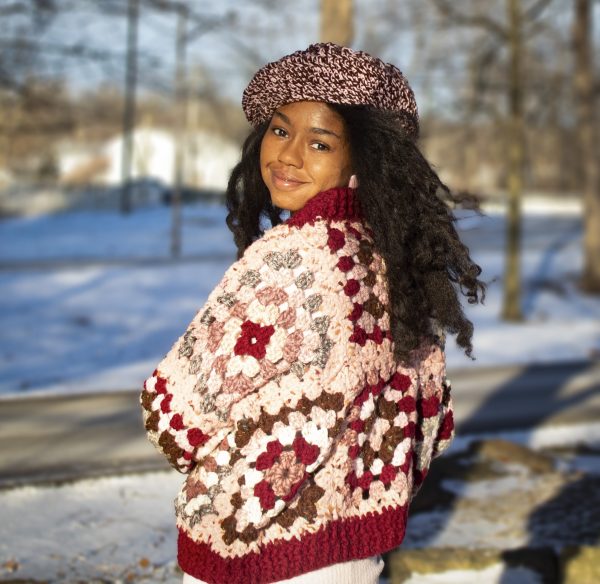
[(511, 309), (587, 136), (337, 21)]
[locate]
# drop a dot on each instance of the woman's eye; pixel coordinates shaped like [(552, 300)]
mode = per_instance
[(277, 131), (320, 146)]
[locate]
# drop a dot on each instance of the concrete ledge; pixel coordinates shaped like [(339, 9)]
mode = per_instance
[(571, 565), (580, 564)]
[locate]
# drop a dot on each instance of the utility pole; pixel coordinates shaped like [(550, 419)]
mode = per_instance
[(181, 124), (511, 309), (129, 106)]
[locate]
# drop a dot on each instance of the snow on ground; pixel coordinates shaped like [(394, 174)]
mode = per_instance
[(103, 326), (92, 530), (587, 434), (122, 529), (144, 233)]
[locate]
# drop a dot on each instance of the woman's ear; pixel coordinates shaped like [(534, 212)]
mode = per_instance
[(353, 182)]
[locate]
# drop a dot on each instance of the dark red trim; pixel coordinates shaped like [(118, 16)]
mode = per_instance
[(339, 541), (334, 204)]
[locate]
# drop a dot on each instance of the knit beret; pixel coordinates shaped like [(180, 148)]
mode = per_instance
[(330, 73)]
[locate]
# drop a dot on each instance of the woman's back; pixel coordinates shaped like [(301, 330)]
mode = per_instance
[(304, 438)]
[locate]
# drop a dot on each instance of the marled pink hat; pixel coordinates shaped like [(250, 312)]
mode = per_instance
[(330, 73)]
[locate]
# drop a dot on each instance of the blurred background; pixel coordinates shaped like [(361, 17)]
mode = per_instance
[(120, 122)]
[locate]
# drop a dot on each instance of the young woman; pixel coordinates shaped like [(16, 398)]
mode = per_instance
[(308, 396)]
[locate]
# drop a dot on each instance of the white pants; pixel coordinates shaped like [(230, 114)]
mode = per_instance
[(364, 571)]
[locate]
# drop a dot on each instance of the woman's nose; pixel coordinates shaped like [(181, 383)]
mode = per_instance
[(290, 153)]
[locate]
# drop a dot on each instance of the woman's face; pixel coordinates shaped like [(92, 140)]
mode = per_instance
[(304, 151)]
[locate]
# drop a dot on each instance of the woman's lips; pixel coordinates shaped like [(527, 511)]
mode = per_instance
[(281, 181)]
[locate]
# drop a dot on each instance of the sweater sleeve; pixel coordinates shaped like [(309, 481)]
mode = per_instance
[(268, 463), (260, 322), (435, 428)]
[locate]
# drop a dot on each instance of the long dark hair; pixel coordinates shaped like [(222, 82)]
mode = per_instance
[(247, 197), (402, 199)]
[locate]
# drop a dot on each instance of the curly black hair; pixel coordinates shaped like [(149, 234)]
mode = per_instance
[(404, 202)]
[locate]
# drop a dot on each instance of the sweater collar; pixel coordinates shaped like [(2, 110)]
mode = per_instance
[(334, 204)]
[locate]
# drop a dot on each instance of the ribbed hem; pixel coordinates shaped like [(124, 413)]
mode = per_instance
[(365, 571), (339, 541)]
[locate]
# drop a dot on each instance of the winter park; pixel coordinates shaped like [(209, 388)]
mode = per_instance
[(116, 155)]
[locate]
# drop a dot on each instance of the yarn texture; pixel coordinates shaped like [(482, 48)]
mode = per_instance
[(302, 438)]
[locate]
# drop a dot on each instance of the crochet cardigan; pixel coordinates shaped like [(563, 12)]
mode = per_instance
[(303, 439)]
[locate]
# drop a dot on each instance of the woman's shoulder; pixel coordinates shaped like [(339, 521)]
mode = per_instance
[(327, 254), (320, 240), (285, 235), (325, 234)]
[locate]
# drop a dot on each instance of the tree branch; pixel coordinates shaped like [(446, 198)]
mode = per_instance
[(536, 9), (448, 11)]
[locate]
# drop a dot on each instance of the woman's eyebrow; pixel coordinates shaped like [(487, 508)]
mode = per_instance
[(321, 131), (283, 117), (324, 131)]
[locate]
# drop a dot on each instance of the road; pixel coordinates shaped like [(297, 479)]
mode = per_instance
[(52, 439)]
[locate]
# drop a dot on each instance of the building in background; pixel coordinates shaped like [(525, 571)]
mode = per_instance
[(209, 160)]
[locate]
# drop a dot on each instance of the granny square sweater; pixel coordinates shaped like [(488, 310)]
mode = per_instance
[(303, 439)]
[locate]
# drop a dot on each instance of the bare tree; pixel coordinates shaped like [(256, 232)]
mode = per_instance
[(21, 21), (588, 140), (337, 21), (511, 308), (504, 36)]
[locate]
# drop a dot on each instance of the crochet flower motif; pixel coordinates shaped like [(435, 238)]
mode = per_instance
[(284, 470), (285, 473), (254, 339)]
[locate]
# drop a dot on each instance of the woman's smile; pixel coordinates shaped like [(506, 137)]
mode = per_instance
[(284, 181)]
